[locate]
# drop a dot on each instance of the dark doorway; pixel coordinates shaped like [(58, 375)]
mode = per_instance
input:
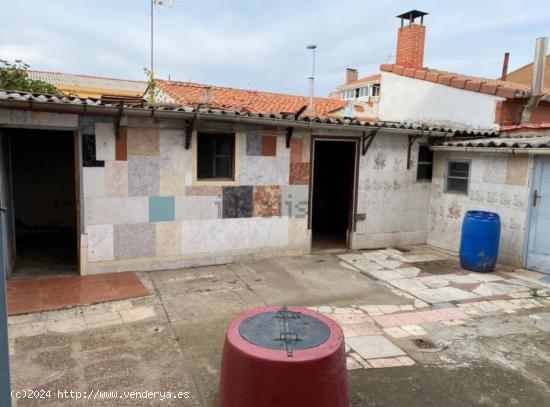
[(44, 202), (333, 192)]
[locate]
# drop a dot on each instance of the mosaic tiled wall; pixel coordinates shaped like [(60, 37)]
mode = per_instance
[(498, 183), (144, 208), (389, 195)]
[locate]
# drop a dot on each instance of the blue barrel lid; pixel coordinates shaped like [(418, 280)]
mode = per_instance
[(483, 215)]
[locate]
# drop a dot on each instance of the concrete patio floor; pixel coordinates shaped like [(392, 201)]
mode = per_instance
[(491, 352)]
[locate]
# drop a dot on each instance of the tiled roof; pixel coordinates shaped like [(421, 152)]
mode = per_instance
[(362, 81), (75, 81), (192, 94), (56, 103), (505, 89), (501, 142)]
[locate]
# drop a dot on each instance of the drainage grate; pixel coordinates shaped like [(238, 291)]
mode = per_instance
[(424, 344)]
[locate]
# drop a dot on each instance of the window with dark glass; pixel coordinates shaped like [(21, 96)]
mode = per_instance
[(458, 177), (425, 163), (215, 155)]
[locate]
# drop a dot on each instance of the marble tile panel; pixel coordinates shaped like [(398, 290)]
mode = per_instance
[(162, 209), (294, 201), (170, 140), (253, 144), (296, 150), (172, 183), (133, 241), (237, 202), (116, 178), (198, 207), (116, 210), (299, 173), (121, 145), (143, 176), (168, 241), (93, 182), (259, 170), (105, 141), (143, 141), (182, 159), (89, 153), (203, 191), (100, 242), (269, 146), (267, 201)]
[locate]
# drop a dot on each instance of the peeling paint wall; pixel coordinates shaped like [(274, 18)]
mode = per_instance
[(498, 183), (393, 201), (414, 100)]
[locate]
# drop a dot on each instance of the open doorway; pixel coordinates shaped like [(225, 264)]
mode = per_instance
[(333, 189), (42, 194)]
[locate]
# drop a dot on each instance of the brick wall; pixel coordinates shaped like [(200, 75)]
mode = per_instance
[(410, 46), (525, 75), (508, 112)]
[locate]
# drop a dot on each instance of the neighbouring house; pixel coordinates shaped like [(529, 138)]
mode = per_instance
[(86, 86), (525, 74), (508, 174), (213, 175), (361, 95)]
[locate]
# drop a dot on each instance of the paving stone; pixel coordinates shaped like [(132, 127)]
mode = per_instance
[(414, 330), (525, 303), (385, 362), (386, 275), (433, 281), (371, 309), (389, 309), (408, 272), (506, 305), (487, 306), (325, 309), (420, 304), (405, 361), (406, 307), (396, 332), (352, 364), (389, 264), (374, 347), (362, 362), (453, 322), (486, 277), (444, 294), (25, 330), (460, 279), (137, 314), (410, 285), (66, 325)]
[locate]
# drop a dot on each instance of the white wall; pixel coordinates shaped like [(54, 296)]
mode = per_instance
[(395, 203), (414, 100), (498, 183)]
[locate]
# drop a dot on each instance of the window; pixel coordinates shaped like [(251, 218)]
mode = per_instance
[(364, 92), (425, 163), (458, 177), (376, 90), (215, 155)]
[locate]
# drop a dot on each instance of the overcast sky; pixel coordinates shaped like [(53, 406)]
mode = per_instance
[(261, 44)]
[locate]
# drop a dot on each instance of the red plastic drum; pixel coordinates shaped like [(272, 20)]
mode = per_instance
[(291, 357)]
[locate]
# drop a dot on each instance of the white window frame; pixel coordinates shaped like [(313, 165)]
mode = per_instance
[(468, 178)]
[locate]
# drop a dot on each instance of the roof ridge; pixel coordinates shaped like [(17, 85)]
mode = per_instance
[(86, 76), (202, 85)]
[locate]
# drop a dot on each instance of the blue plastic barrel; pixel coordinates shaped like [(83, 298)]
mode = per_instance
[(480, 241)]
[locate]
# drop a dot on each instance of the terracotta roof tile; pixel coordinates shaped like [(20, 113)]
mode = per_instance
[(506, 89), (192, 94)]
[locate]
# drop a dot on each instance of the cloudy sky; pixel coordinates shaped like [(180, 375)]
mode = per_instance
[(261, 44)]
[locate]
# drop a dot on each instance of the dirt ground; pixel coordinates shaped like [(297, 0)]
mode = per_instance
[(489, 352)]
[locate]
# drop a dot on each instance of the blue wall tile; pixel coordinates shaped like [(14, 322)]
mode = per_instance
[(161, 209)]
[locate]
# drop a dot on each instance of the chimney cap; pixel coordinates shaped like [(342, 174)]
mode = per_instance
[(412, 15), (351, 69)]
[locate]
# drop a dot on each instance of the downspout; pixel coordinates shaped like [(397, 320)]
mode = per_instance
[(537, 83)]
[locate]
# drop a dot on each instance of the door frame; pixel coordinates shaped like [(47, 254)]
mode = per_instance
[(532, 175), (352, 225), (77, 159)]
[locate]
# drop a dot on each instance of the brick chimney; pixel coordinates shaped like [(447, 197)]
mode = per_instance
[(351, 75), (410, 40)]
